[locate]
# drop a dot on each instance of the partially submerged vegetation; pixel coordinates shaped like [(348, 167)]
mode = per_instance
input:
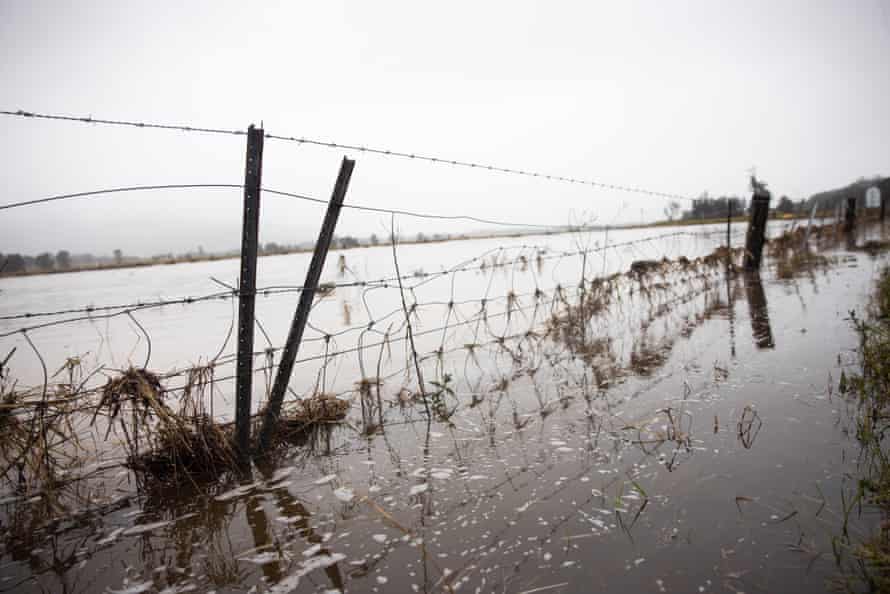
[(171, 435), (162, 443), (44, 435), (592, 343), (793, 254), (870, 389)]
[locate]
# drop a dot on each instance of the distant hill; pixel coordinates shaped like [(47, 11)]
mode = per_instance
[(829, 199)]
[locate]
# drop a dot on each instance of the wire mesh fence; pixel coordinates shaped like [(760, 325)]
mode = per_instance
[(421, 329)]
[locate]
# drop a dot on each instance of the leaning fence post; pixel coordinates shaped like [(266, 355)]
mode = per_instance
[(247, 287), (756, 229), (850, 215), (295, 335)]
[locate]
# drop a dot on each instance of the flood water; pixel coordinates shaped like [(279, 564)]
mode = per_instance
[(688, 437)]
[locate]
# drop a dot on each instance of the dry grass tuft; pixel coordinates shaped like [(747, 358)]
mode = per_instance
[(162, 444), (134, 384), (190, 448), (322, 408)]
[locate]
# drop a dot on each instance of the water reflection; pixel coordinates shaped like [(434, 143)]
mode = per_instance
[(760, 324), (481, 496), (297, 518), (748, 427), (730, 299)]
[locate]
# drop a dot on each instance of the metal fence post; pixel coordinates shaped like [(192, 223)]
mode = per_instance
[(295, 335), (247, 287)]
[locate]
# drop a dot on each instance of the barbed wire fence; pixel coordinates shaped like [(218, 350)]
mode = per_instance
[(350, 147), (406, 332)]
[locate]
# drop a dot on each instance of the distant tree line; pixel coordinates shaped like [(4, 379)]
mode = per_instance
[(62, 260), (717, 208), (49, 262), (45, 262), (706, 207)]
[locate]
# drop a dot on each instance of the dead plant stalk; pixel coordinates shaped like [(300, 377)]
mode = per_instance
[(395, 260)]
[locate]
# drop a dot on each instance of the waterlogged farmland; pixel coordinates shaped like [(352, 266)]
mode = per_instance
[(596, 412)]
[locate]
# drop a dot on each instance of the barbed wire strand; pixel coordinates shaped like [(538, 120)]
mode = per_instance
[(378, 209), (414, 156)]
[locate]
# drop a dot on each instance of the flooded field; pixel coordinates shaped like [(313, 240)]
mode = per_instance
[(598, 413)]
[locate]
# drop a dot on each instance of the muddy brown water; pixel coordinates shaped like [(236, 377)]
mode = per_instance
[(708, 454)]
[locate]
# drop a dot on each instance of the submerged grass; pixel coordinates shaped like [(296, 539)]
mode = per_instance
[(793, 254), (162, 443), (170, 434), (870, 386), (173, 446), (38, 441)]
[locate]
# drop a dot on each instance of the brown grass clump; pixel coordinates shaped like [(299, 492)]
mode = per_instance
[(722, 255), (796, 262), (322, 408), (793, 239), (304, 421), (38, 444), (792, 253), (875, 246), (134, 384), (142, 390), (161, 443), (187, 448), (167, 445), (642, 268)]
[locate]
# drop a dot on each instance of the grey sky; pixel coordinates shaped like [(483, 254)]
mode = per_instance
[(678, 97)]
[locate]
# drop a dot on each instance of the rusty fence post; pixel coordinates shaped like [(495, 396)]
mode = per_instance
[(247, 287), (850, 215), (756, 234), (301, 316)]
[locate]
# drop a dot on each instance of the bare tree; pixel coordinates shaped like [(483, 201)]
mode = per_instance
[(44, 261), (63, 260)]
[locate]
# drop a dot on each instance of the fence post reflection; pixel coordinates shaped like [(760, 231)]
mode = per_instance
[(760, 325)]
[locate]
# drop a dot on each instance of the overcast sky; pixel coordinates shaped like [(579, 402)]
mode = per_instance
[(678, 97)]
